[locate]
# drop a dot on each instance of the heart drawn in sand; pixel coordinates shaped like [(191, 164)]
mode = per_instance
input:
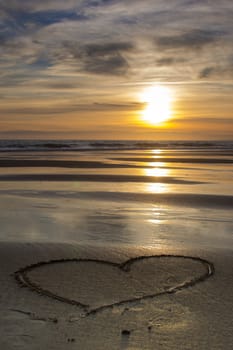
[(94, 285)]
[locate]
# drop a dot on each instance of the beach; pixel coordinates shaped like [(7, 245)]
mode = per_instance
[(116, 247)]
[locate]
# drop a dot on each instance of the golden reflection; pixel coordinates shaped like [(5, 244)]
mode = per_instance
[(156, 187), (158, 104), (155, 221), (156, 171), (156, 151)]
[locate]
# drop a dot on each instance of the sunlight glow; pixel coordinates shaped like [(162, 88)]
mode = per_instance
[(156, 151), (156, 187), (158, 104), (156, 172)]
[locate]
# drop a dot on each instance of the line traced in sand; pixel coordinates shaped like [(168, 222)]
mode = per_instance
[(23, 279)]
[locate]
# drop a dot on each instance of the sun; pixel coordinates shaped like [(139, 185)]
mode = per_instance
[(158, 104)]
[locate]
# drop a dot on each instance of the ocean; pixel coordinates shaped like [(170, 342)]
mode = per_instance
[(82, 145)]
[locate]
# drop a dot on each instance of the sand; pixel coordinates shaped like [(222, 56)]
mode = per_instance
[(100, 255), (177, 301)]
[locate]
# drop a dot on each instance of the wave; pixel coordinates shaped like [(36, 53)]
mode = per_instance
[(77, 145)]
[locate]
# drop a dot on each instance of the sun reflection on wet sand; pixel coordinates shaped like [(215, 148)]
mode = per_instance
[(156, 187), (156, 151), (157, 217), (157, 171), (157, 164)]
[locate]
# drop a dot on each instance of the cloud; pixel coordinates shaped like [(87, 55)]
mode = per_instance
[(64, 108), (48, 17), (105, 58), (207, 72), (40, 6), (217, 71), (169, 61), (194, 39), (60, 85)]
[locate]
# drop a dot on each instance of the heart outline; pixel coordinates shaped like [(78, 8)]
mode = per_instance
[(23, 279)]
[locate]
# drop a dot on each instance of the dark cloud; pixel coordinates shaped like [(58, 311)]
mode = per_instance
[(107, 48), (110, 65), (206, 72), (169, 61), (32, 111), (106, 58), (120, 106), (100, 2), (68, 108), (44, 18), (225, 72), (61, 85), (195, 39)]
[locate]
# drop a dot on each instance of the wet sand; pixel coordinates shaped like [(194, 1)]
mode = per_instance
[(177, 301), (95, 178), (112, 260)]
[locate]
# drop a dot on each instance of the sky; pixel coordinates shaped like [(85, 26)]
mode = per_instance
[(78, 69)]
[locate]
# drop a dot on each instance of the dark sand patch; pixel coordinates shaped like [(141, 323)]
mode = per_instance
[(178, 199), (96, 178), (51, 163), (191, 160)]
